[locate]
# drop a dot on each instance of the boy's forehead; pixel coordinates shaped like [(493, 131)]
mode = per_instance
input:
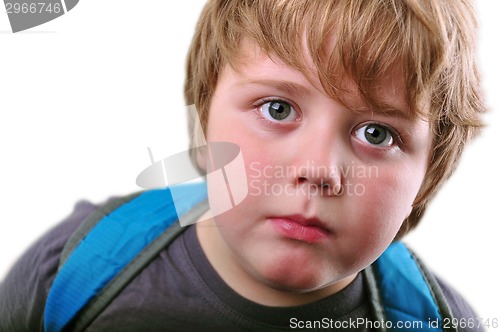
[(255, 67)]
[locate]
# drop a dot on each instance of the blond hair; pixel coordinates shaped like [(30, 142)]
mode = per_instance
[(431, 41)]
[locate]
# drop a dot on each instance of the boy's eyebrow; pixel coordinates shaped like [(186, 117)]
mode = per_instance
[(391, 111), (289, 88)]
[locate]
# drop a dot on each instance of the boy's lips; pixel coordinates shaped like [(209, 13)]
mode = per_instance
[(298, 227)]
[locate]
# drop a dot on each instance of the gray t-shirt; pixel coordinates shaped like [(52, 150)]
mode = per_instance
[(178, 291)]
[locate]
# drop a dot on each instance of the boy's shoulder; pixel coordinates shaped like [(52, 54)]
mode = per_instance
[(459, 306), (24, 290)]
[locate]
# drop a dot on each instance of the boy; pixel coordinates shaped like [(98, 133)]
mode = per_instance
[(349, 115)]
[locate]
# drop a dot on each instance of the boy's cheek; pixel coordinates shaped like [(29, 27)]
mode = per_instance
[(387, 200)]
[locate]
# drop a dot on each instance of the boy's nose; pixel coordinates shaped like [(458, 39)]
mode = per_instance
[(318, 164), (326, 181)]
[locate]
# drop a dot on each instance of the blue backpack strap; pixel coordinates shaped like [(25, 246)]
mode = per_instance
[(403, 290), (114, 251)]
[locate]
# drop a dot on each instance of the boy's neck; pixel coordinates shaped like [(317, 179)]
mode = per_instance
[(226, 265)]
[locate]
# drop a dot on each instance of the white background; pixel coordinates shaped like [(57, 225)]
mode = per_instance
[(83, 96)]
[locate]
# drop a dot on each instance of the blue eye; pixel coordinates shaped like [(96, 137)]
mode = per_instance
[(376, 135), (278, 111)]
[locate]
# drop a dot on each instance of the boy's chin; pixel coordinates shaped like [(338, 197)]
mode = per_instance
[(300, 281)]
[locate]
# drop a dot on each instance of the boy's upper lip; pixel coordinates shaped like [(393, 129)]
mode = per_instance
[(306, 221)]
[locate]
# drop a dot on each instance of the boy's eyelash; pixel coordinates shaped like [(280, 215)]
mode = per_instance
[(263, 101), (259, 103), (394, 132)]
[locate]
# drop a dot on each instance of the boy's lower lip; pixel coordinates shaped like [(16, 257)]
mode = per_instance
[(297, 231)]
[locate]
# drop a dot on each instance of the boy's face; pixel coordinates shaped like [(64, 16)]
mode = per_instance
[(328, 188)]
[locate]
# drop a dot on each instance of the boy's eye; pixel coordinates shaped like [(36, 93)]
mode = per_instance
[(277, 110), (375, 134)]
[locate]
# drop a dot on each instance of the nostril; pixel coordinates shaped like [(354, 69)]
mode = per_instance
[(301, 180)]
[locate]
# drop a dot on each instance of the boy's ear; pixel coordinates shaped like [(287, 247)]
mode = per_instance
[(201, 158), (198, 151)]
